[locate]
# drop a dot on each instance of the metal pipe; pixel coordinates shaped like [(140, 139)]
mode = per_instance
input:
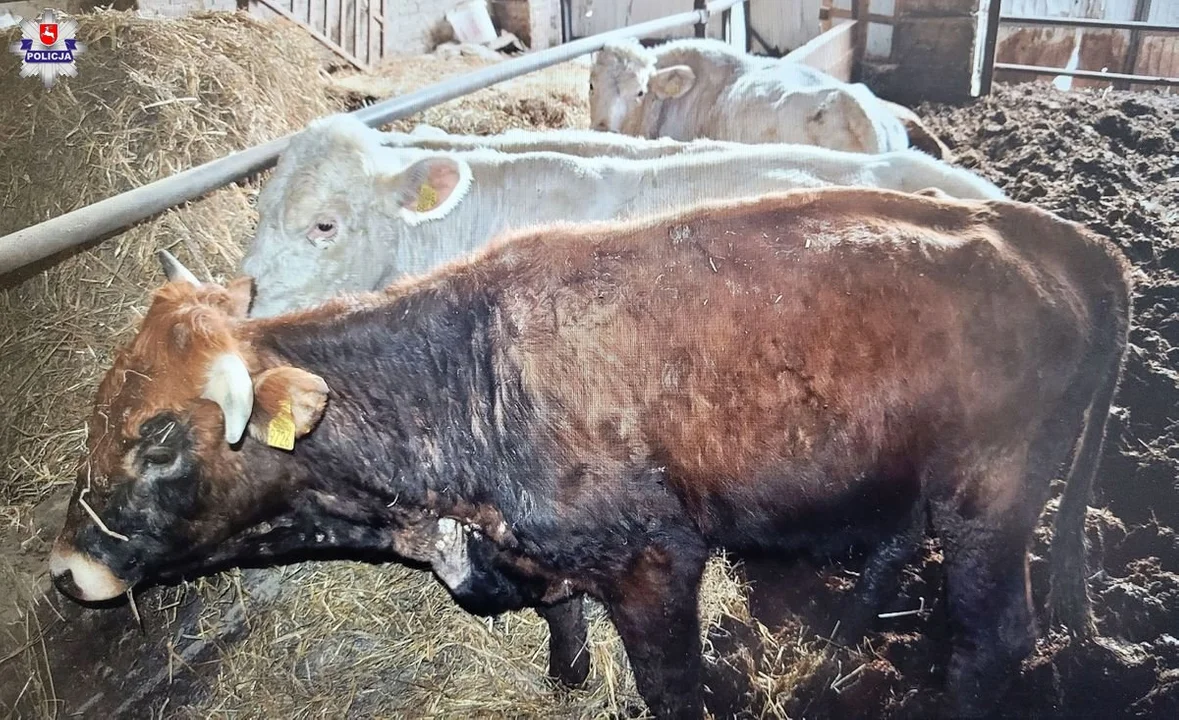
[(74, 228), (1089, 74), (1087, 23)]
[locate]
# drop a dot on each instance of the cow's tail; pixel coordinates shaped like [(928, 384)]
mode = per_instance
[(1068, 600)]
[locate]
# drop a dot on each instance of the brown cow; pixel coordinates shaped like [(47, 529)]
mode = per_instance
[(605, 403)]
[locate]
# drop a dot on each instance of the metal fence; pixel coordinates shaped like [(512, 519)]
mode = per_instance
[(105, 217), (1124, 79)]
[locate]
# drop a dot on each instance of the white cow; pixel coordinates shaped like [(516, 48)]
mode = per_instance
[(694, 88), (582, 143), (343, 212)]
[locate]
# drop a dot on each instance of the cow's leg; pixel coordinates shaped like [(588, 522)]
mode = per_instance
[(653, 606), (987, 588), (569, 660), (880, 578)]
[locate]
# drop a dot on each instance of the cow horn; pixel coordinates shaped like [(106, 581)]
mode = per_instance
[(174, 270), (229, 386)]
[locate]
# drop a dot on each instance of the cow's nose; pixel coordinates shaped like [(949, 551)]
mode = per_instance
[(63, 580), (78, 575)]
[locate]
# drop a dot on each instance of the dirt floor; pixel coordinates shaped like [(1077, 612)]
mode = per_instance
[(349, 639)]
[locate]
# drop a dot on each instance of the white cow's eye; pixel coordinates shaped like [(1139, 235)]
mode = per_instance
[(642, 93), (323, 229)]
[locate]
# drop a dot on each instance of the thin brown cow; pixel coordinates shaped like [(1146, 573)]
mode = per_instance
[(606, 403)]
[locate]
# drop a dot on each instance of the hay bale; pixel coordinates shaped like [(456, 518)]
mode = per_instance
[(151, 98), (556, 97)]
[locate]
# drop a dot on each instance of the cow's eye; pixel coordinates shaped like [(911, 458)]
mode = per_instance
[(322, 229), (642, 93), (159, 455), (591, 87)]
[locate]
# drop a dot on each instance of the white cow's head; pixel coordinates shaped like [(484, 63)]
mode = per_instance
[(625, 87), (331, 217)]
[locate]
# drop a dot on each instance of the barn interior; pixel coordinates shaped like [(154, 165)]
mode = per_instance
[(165, 85)]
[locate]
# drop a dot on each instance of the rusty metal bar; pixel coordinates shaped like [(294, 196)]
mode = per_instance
[(99, 220), (1087, 23), (323, 39), (1090, 74)]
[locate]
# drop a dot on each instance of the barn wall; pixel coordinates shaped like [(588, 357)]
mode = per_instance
[(536, 22), (596, 16), (1086, 49), (929, 52), (180, 8), (784, 25)]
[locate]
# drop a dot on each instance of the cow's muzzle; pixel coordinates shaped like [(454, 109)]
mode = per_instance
[(81, 577)]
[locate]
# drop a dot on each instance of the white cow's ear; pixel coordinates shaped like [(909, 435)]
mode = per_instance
[(672, 82), (429, 188)]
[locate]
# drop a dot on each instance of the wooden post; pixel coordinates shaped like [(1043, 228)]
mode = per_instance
[(990, 41), (735, 24), (745, 10), (859, 37), (701, 28), (1141, 13)]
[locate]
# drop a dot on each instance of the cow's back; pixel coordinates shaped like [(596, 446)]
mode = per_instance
[(803, 338)]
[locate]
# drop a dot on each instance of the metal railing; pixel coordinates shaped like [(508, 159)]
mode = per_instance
[(1120, 79), (103, 218)]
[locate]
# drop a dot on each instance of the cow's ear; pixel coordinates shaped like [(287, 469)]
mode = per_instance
[(428, 189), (672, 82), (288, 402), (842, 122), (241, 294)]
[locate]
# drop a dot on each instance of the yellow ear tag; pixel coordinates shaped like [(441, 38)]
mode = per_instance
[(280, 433), (427, 198)]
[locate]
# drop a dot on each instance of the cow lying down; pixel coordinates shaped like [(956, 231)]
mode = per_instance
[(705, 88), (606, 403), (342, 212)]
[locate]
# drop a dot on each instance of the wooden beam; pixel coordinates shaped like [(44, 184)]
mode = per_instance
[(701, 27), (833, 52), (1141, 13), (834, 12), (859, 37), (323, 40)]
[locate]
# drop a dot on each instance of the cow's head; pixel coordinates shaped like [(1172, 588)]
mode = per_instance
[(175, 422), (331, 217), (626, 87)]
